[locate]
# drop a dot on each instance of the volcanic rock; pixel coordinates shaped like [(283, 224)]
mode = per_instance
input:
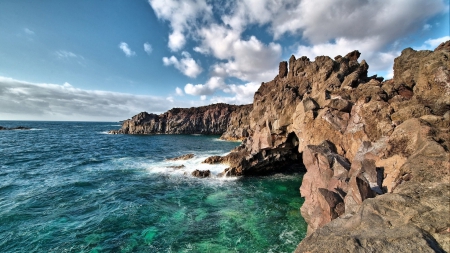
[(15, 128), (211, 119), (183, 157), (201, 173)]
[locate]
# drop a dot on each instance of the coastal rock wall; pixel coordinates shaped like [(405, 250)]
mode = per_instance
[(376, 153), (211, 119)]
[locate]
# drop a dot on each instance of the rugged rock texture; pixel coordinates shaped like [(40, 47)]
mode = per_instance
[(376, 153), (201, 173), (238, 127), (211, 119)]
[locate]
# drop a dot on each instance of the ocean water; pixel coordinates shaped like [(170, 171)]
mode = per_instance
[(70, 187)]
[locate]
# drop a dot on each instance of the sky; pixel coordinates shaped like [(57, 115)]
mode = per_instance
[(98, 60)]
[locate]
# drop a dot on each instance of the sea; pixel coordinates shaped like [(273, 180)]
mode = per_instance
[(72, 187)]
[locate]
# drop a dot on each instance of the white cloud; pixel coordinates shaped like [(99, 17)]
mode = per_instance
[(182, 15), (326, 25), (148, 48), (427, 27), (28, 31), (212, 85), (241, 94), (179, 91), (126, 49), (249, 60), (185, 65), (63, 54), (431, 44), (40, 101), (176, 40), (353, 19)]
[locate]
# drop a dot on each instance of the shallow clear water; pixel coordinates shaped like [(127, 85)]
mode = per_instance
[(70, 187)]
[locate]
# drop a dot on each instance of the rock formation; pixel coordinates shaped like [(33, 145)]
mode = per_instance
[(376, 153), (201, 173), (211, 119), (183, 157), (15, 128)]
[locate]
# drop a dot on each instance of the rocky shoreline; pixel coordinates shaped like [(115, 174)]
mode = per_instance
[(376, 152), (14, 128), (231, 121)]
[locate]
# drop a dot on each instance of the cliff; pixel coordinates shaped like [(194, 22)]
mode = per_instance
[(211, 119), (376, 152)]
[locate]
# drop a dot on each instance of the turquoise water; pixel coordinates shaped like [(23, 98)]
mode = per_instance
[(70, 187)]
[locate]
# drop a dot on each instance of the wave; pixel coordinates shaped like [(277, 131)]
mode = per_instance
[(186, 167)]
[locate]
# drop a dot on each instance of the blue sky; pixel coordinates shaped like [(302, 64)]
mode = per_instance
[(108, 60)]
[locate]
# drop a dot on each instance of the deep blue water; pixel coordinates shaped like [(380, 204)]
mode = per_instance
[(70, 187)]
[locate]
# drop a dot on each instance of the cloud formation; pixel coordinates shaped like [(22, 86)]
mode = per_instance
[(185, 65), (330, 28), (126, 49), (182, 16), (63, 54), (28, 31), (148, 48), (241, 94), (40, 101)]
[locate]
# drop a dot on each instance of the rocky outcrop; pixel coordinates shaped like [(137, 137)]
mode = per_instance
[(211, 119), (376, 152), (183, 157), (201, 173), (15, 128), (238, 127)]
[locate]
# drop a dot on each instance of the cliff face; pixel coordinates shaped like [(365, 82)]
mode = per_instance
[(376, 153), (211, 119)]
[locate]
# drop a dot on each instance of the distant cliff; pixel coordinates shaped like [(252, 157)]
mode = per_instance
[(211, 119)]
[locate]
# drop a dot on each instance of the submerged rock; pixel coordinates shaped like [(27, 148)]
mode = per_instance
[(201, 173)]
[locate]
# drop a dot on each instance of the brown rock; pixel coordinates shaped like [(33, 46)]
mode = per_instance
[(211, 119), (183, 157), (283, 69), (201, 173), (213, 159)]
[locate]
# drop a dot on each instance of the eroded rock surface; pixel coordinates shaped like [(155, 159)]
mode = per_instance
[(211, 119), (373, 150)]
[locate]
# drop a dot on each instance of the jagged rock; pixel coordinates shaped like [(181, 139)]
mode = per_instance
[(201, 173), (282, 70), (238, 127), (211, 119), (324, 185), (213, 159), (389, 223), (183, 157), (380, 182)]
